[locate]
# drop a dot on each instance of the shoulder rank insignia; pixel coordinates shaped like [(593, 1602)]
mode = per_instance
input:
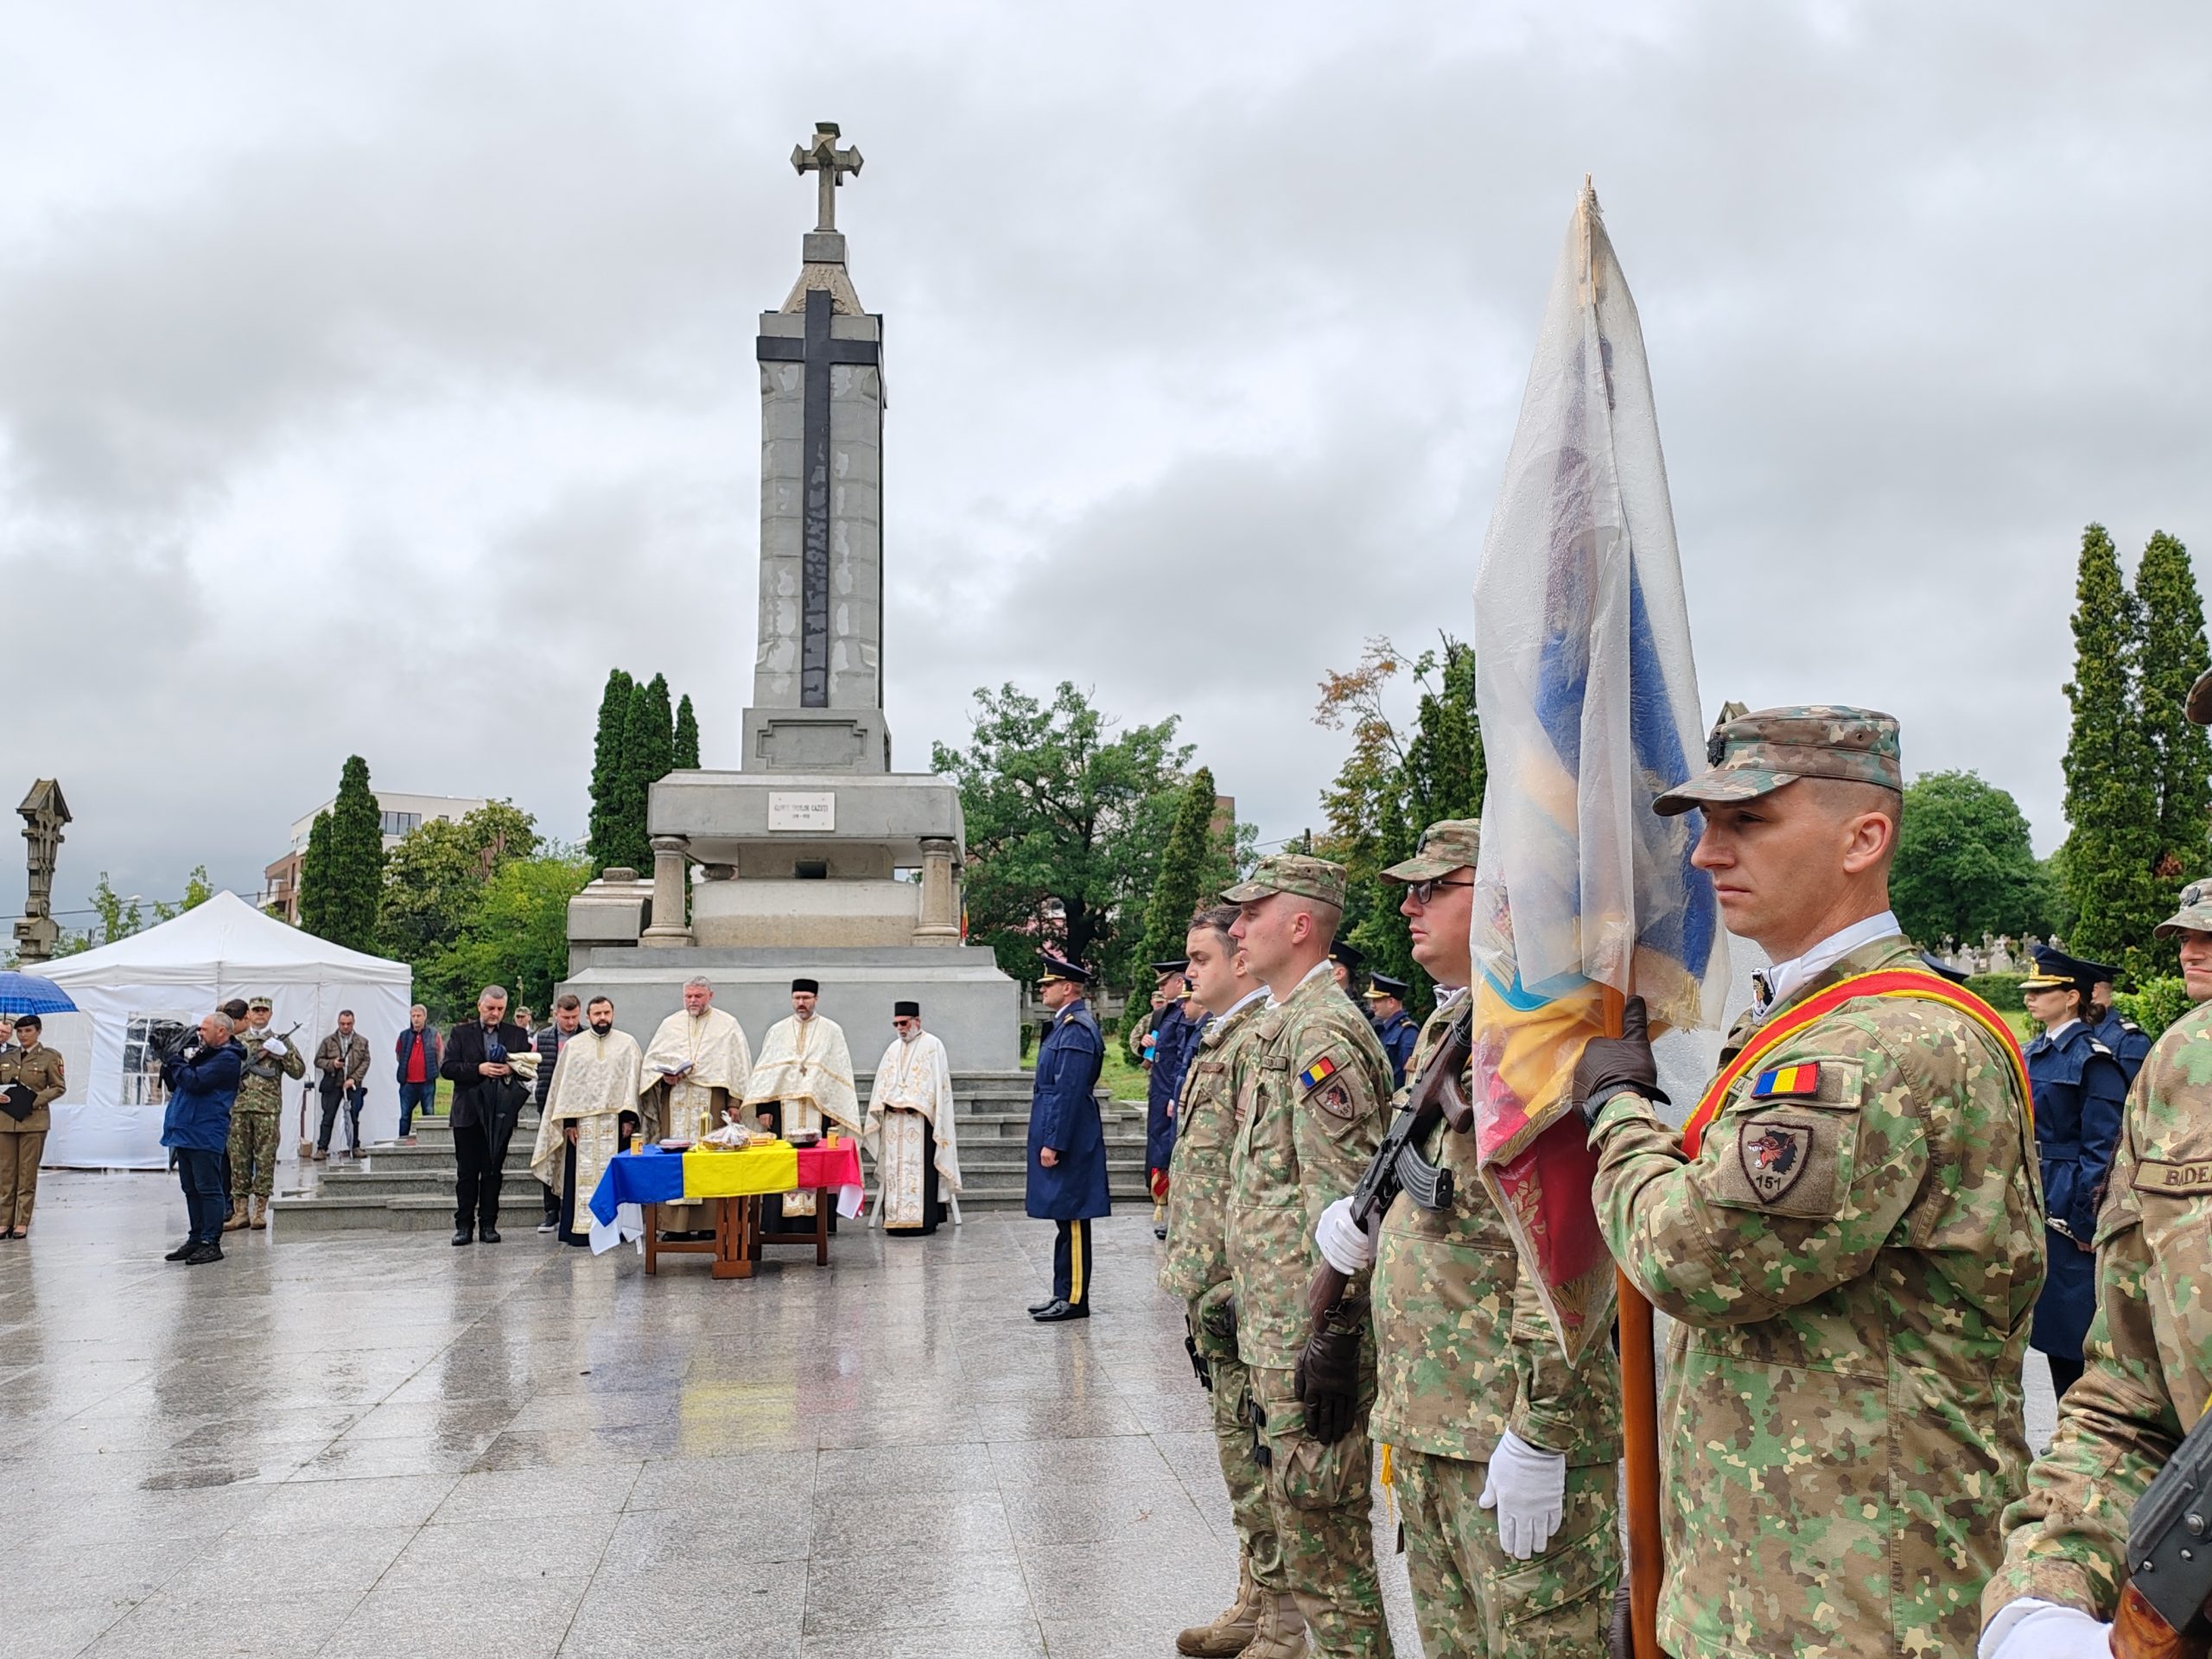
[(1783, 1082), (1317, 1074)]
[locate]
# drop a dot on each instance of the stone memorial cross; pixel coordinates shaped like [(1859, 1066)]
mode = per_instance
[(831, 163)]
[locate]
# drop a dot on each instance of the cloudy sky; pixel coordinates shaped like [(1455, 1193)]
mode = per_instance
[(373, 379)]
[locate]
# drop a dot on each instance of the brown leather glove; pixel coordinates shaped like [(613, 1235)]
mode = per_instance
[(1612, 1065), (1327, 1374)]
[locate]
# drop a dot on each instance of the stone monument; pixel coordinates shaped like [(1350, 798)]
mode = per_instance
[(43, 812), (814, 856)]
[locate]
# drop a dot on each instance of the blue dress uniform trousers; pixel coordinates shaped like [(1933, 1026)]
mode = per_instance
[(2080, 1089)]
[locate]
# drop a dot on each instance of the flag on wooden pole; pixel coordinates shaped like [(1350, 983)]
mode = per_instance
[(1587, 694)]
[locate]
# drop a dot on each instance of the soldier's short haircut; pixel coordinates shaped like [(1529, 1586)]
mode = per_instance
[(1847, 799), (567, 1000), (1218, 919), (499, 991), (700, 980)]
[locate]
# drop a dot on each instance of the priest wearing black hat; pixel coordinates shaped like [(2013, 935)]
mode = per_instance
[(909, 1133), (1067, 1143), (802, 1082), (1175, 1039), (1386, 1007), (2079, 1090)]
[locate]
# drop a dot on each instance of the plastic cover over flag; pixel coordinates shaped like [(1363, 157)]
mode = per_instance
[(1587, 695)]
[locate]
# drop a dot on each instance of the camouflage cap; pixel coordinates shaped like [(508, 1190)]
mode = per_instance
[(1758, 754), (2194, 915), (258, 1002), (1448, 844), (1299, 872)]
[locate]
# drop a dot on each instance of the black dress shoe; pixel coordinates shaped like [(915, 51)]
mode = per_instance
[(1160, 1231), (489, 1235), (464, 1236), (181, 1251), (1059, 1311)]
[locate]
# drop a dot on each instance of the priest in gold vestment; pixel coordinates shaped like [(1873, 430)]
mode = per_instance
[(696, 1064), (594, 1082), (805, 1073), (909, 1132)]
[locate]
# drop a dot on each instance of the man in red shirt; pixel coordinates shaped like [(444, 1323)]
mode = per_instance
[(418, 1070)]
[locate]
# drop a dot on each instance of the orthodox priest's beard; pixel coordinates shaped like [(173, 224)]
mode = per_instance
[(603, 1026)]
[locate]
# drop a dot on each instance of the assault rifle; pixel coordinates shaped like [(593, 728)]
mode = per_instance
[(265, 1069), (1398, 1165), (2170, 1558)]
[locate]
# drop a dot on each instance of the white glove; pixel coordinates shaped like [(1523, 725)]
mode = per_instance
[(274, 1046), (1345, 1245), (2028, 1629), (1527, 1488)]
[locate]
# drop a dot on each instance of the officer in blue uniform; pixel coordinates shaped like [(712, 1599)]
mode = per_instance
[(1176, 1029), (2078, 1091), (1386, 1007), (1067, 1144), (2108, 1024), (1346, 961)]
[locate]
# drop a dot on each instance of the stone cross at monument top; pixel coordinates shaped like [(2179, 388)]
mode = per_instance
[(817, 676)]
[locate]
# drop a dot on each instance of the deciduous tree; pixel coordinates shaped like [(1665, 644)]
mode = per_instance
[(1964, 865)]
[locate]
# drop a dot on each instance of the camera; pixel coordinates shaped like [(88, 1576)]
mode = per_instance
[(167, 1040)]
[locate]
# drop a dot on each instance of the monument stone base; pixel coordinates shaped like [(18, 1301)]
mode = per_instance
[(966, 1001)]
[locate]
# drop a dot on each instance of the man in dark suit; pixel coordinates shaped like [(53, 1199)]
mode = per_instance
[(487, 1098), (1067, 1144)]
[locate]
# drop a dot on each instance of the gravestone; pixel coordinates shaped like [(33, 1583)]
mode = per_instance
[(813, 856)]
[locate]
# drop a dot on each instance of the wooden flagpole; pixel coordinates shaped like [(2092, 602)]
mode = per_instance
[(1639, 1439)]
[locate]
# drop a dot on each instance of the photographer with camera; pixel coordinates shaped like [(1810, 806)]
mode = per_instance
[(202, 1069)]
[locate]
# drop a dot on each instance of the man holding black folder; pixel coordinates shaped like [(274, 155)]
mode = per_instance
[(30, 1081)]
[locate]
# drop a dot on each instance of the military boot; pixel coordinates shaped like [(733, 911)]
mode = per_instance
[(238, 1217), (1231, 1631), (260, 1213), (1280, 1632)]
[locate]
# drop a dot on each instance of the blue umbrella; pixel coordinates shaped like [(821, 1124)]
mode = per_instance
[(29, 994)]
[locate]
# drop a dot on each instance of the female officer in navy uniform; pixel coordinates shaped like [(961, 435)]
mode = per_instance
[(2078, 1091), (1067, 1144)]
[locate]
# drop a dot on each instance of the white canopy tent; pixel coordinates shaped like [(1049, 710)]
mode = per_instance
[(111, 1116)]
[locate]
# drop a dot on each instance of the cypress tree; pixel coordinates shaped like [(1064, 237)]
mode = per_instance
[(341, 876), (2112, 854), (606, 769), (1176, 890), (687, 736), (648, 754), (314, 879), (2178, 753)]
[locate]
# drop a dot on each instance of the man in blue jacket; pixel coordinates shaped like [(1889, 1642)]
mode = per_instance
[(1067, 1144), (202, 1076)]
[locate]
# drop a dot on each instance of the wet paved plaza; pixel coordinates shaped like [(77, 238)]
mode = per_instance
[(383, 1445)]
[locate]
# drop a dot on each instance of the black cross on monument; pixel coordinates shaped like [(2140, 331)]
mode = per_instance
[(817, 351)]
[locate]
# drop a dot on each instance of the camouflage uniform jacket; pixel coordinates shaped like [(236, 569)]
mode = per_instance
[(1851, 1268), (260, 1094), (2150, 1348), (1197, 1196), (1312, 1091), (1463, 1349)]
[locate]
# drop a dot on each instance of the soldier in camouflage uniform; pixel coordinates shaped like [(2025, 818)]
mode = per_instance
[(1852, 1251), (1196, 1268), (1310, 1102), (1503, 1456), (257, 1115), (2150, 1348)]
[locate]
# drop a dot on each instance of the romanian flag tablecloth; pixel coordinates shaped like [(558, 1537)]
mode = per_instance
[(652, 1176)]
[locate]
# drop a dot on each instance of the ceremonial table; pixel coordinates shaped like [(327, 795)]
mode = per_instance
[(734, 1182)]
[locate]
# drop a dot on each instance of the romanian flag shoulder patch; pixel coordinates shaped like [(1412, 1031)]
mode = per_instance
[(1317, 1074), (1787, 1081)]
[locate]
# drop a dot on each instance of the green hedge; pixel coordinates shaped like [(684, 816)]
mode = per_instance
[(2000, 991), (2157, 1005)]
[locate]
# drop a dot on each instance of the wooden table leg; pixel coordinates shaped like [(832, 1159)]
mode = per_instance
[(821, 1226), (652, 1238), (730, 1261)]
